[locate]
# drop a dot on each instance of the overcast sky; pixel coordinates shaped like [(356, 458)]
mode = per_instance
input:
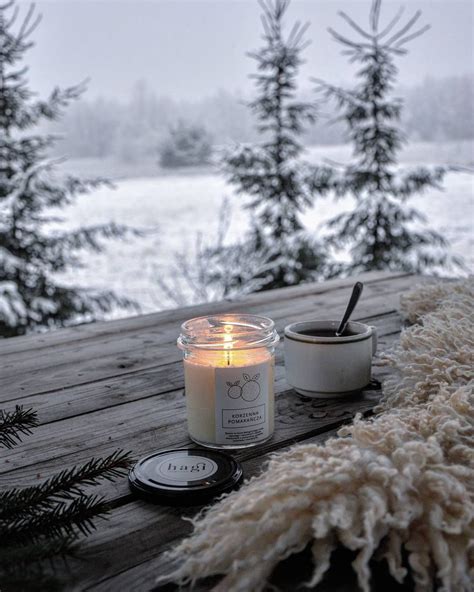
[(191, 48)]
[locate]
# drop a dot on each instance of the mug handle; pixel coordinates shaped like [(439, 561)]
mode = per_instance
[(374, 339)]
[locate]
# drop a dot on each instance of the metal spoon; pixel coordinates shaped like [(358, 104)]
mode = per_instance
[(354, 299)]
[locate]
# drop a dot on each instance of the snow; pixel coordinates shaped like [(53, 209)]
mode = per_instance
[(172, 208), (12, 308)]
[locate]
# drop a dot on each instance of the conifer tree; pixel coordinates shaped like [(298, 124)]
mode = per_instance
[(30, 255), (41, 524), (272, 173), (382, 232)]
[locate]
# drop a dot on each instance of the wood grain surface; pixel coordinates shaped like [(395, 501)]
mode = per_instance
[(120, 384)]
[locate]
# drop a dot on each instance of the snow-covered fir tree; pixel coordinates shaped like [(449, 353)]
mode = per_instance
[(30, 254), (382, 231), (272, 173)]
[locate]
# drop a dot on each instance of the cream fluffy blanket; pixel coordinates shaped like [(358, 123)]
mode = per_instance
[(403, 480)]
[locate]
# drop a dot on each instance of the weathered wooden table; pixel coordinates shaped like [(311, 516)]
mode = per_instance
[(119, 384)]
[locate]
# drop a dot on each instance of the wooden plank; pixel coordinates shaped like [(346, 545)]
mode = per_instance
[(150, 533), (140, 322), (158, 422), (142, 407), (155, 423), (123, 347), (145, 531), (77, 400), (165, 333), (144, 527), (129, 425), (92, 362)]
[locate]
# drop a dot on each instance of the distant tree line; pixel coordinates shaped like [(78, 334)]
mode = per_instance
[(435, 109), (440, 109)]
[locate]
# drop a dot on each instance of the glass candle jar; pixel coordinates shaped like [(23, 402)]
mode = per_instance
[(229, 364)]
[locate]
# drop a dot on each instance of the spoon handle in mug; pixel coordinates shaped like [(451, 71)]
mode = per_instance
[(356, 292)]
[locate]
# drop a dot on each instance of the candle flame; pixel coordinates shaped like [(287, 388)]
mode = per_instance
[(228, 343), (228, 336)]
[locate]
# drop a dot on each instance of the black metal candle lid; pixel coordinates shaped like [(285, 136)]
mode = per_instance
[(185, 476)]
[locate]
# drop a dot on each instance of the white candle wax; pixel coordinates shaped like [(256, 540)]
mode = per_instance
[(201, 389)]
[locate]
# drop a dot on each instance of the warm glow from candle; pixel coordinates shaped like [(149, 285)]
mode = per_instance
[(228, 369), (228, 344)]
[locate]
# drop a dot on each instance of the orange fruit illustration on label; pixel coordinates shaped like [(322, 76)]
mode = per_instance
[(250, 388), (235, 390)]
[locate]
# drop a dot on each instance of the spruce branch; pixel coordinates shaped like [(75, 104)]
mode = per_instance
[(42, 522), (405, 29), (412, 36), (354, 25), (392, 23), (18, 504), (7, 5), (31, 555), (64, 519), (39, 525), (93, 236), (375, 14), (14, 424), (28, 25), (30, 566)]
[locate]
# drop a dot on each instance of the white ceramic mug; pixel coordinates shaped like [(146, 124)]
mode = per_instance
[(327, 367)]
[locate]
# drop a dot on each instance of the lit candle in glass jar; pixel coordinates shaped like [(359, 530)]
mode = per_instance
[(228, 372)]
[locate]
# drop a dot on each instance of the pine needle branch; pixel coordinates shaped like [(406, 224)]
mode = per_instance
[(391, 24), (401, 32), (29, 556), (375, 14), (14, 424), (39, 525), (354, 25), (20, 503), (70, 520)]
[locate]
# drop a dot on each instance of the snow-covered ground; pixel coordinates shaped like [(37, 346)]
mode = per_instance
[(173, 207)]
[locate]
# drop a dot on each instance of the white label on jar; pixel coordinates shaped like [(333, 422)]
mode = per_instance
[(242, 404)]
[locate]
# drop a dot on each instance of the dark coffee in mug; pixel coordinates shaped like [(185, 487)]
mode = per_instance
[(325, 333)]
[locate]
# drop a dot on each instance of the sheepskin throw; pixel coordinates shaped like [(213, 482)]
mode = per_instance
[(401, 481)]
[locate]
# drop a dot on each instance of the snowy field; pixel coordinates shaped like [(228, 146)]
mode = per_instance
[(173, 207)]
